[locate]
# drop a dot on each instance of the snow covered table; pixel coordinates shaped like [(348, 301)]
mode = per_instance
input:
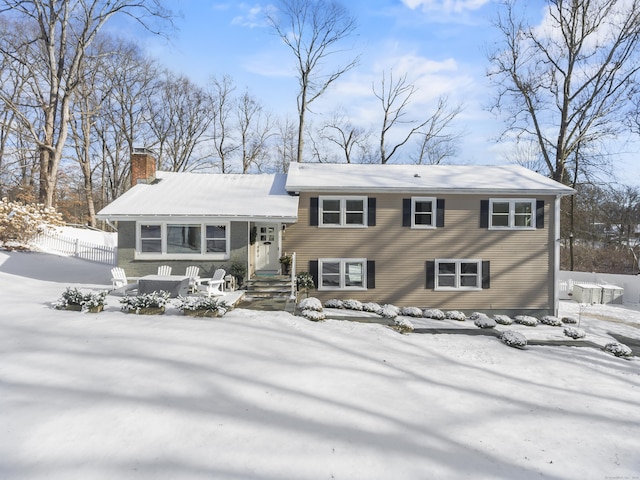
[(174, 284)]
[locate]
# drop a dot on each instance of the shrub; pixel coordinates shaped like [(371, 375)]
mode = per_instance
[(310, 303), (574, 333), (304, 282), (313, 315), (513, 339), (456, 315), (526, 320), (411, 312), (206, 305), (333, 303), (503, 319), (371, 307), (352, 304), (389, 311), (433, 313), (618, 349), (86, 301), (403, 325), (475, 315), (572, 320), (483, 321), (551, 320), (144, 301), (20, 223)]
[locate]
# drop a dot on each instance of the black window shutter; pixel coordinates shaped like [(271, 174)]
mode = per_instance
[(371, 212), (484, 213), (486, 274), (406, 212), (431, 274), (313, 271), (313, 211), (371, 274), (440, 213), (540, 214)]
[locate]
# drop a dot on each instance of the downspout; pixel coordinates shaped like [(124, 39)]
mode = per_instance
[(556, 256)]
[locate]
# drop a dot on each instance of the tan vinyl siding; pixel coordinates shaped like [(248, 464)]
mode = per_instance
[(520, 260)]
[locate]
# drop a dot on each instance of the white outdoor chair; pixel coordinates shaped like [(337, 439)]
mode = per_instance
[(120, 281), (193, 273), (164, 270), (215, 285)]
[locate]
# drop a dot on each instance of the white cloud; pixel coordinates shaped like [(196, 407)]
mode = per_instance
[(252, 16), (446, 6)]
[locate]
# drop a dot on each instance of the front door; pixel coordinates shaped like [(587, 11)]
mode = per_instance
[(267, 247)]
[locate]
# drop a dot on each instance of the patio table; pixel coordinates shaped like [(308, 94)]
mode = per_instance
[(174, 284)]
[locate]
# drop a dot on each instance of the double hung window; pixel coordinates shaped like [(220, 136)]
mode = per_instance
[(512, 213), (343, 211), (458, 274), (182, 240), (342, 273), (423, 212)]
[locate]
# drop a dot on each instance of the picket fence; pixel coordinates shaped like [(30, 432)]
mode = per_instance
[(630, 283), (75, 247)]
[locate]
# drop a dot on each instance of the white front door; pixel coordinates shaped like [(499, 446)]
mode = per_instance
[(267, 247)]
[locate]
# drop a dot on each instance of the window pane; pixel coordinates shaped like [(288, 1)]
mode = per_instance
[(331, 274), (523, 207), (446, 281), (151, 246), (446, 268), (331, 205), (355, 206), (500, 220), (423, 219), (423, 207), (501, 207), (216, 246), (216, 231), (150, 231), (183, 239), (469, 280), (355, 219), (331, 218), (522, 220), (467, 268), (353, 275)]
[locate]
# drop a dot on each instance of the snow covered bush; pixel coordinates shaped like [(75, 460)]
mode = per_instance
[(85, 302), (371, 307), (574, 333), (526, 320), (456, 315), (304, 282), (433, 313), (403, 325), (483, 321), (20, 223), (313, 315), (571, 320), (618, 349), (411, 312), (551, 320), (202, 306), (389, 311), (513, 339), (310, 303), (352, 304), (475, 315), (156, 301), (503, 319), (333, 303)]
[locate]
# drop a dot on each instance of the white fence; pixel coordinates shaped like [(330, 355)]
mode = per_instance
[(630, 283), (76, 248)]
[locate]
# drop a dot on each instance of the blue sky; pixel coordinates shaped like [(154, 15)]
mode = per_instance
[(440, 44)]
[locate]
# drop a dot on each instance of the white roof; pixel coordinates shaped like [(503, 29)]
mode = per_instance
[(465, 179), (246, 197)]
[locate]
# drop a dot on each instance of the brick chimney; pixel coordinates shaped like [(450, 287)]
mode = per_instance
[(143, 166)]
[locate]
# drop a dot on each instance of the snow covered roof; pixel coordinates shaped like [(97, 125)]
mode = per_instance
[(237, 196), (463, 179)]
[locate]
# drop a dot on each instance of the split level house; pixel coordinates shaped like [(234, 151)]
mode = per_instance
[(468, 238)]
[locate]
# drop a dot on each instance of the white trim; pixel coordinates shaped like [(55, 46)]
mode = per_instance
[(343, 211), (163, 255), (342, 273), (434, 212), (556, 256), (511, 219), (456, 276)]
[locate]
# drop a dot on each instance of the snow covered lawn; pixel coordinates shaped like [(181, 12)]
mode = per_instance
[(269, 396)]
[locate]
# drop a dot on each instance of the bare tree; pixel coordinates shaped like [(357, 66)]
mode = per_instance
[(286, 145), (395, 96), (223, 141), (351, 141), (566, 83), (54, 57), (255, 130), (436, 140), (313, 30)]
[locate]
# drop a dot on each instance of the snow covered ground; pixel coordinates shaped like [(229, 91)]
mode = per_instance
[(269, 396)]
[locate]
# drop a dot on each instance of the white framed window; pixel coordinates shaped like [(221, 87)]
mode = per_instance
[(458, 274), (423, 212), (182, 240), (342, 274), (342, 211), (512, 213)]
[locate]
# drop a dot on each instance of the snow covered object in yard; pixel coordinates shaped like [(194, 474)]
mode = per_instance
[(618, 349), (389, 311), (310, 303), (313, 315), (334, 303), (145, 303), (526, 320), (403, 325), (551, 320), (569, 319), (483, 321), (433, 313), (574, 333), (503, 319), (513, 339), (371, 307), (456, 315), (411, 312), (352, 304)]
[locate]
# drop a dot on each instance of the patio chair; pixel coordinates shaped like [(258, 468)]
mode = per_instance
[(164, 270), (215, 285), (193, 273), (121, 282)]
